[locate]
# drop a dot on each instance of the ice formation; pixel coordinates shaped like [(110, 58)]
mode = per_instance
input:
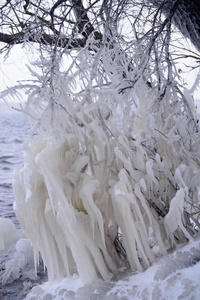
[(173, 219), (8, 233), (16, 254), (175, 276), (21, 264), (108, 172)]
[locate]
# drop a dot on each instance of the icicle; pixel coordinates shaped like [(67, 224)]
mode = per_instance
[(150, 173), (124, 220), (130, 221), (173, 219), (138, 193), (87, 190)]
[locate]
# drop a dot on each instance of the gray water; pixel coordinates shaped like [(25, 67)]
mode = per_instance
[(13, 132)]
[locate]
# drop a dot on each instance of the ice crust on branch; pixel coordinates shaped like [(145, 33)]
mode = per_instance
[(108, 171)]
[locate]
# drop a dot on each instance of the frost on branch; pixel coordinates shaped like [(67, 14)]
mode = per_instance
[(111, 169)]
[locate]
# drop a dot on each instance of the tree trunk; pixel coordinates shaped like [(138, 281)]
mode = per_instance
[(186, 17)]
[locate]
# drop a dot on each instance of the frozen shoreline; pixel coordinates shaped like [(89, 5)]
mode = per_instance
[(174, 276)]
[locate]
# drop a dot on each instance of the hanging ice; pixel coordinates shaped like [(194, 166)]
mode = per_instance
[(87, 178)]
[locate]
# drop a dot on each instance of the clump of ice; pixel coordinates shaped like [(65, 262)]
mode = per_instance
[(21, 265), (8, 233), (16, 258)]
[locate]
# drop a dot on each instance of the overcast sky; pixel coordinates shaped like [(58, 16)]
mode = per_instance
[(13, 68)]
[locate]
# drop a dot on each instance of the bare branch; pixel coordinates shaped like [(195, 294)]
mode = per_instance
[(21, 37)]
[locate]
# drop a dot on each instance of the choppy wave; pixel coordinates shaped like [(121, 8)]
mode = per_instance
[(5, 157)]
